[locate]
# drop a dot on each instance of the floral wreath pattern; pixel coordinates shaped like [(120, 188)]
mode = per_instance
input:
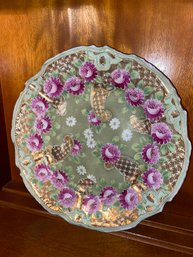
[(94, 139)]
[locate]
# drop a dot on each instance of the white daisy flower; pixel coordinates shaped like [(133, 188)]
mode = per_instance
[(88, 133), (127, 135), (114, 123), (91, 143), (92, 177), (81, 170), (71, 121)]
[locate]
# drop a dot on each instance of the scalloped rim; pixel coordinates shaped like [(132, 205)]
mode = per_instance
[(183, 115)]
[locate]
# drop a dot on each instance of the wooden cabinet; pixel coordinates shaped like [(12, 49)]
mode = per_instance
[(33, 31)]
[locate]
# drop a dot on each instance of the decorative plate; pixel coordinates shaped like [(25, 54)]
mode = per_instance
[(101, 138)]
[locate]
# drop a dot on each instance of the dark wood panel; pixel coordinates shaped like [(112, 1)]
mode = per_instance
[(5, 173), (24, 234)]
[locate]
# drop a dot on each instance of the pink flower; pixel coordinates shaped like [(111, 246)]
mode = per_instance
[(93, 119), (59, 179), (110, 153), (39, 105), (108, 195), (153, 109), (88, 71), (43, 172), (34, 142), (74, 86), (91, 204), (67, 197), (129, 199), (120, 78), (76, 148), (134, 96), (152, 178), (161, 133), (53, 87), (43, 124), (150, 153)]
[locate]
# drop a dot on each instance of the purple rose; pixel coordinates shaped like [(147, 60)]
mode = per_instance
[(161, 133), (152, 178), (88, 71), (53, 87), (134, 96), (59, 179), (43, 172), (43, 124), (67, 197), (120, 78), (153, 109), (76, 148), (39, 105), (34, 142), (129, 199), (91, 204), (93, 119), (74, 86), (150, 153), (108, 195), (110, 153)]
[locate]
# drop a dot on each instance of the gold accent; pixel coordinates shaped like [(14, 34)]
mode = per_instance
[(141, 126), (55, 154), (151, 198), (98, 98), (108, 166), (149, 208)]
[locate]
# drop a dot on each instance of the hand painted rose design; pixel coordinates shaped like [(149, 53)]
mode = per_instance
[(74, 86), (93, 119), (108, 195), (53, 87), (39, 105), (120, 78), (59, 179), (91, 204), (129, 199), (34, 142), (152, 178), (150, 153), (134, 96), (110, 153), (88, 71), (67, 197), (43, 172), (76, 148), (153, 109), (43, 124), (161, 133)]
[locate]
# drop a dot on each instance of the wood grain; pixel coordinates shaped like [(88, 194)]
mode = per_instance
[(26, 234), (5, 175)]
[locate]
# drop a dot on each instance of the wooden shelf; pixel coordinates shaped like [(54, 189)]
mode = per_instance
[(166, 230)]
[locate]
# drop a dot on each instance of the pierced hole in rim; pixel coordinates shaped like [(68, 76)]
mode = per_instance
[(102, 60)]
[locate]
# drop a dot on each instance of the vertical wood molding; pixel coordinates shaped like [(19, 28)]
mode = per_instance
[(4, 160)]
